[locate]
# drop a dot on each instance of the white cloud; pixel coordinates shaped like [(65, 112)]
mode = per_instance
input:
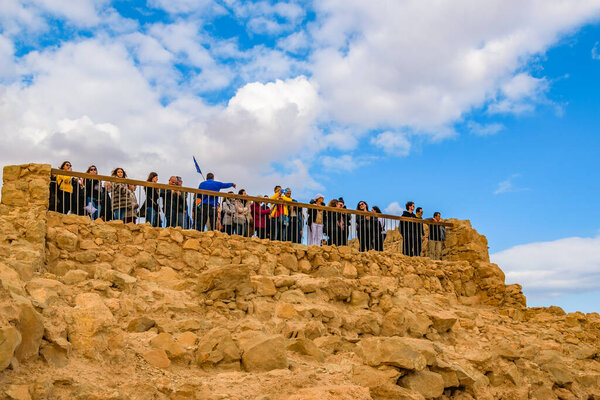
[(394, 208), (408, 64), (596, 51), (344, 163), (7, 64), (484, 130), (393, 143), (263, 17), (187, 6), (546, 269), (509, 186)]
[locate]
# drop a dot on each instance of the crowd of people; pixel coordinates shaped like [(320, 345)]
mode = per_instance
[(267, 219)]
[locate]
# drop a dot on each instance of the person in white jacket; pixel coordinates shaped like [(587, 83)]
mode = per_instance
[(241, 215)]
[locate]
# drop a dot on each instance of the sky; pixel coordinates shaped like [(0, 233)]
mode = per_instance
[(484, 111)]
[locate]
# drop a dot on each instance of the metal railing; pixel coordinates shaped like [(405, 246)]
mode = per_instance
[(275, 218)]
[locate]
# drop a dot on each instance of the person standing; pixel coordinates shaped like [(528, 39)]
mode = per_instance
[(379, 232), (315, 222), (364, 227), (280, 215), (241, 215), (151, 207), (96, 195), (119, 192), (174, 203), (437, 237), (411, 232), (207, 209), (260, 214), (419, 213)]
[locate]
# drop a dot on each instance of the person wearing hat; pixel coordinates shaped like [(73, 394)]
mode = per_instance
[(315, 221)]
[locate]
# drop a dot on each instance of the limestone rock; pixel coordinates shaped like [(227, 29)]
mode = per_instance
[(341, 392), (396, 351), (18, 392), (429, 384), (10, 339), (88, 323), (157, 358), (306, 347), (140, 324), (75, 276), (229, 277), (166, 342), (217, 346), (67, 240), (31, 328), (261, 352), (442, 321)]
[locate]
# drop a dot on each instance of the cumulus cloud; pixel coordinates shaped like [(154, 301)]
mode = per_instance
[(548, 269), (393, 143), (509, 185), (484, 129), (394, 208), (407, 64)]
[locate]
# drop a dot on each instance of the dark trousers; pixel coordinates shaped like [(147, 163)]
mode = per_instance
[(294, 231), (204, 214), (411, 246)]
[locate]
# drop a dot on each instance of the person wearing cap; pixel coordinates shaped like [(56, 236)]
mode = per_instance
[(315, 221), (280, 214)]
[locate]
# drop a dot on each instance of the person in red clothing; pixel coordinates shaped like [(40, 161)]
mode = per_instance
[(260, 215)]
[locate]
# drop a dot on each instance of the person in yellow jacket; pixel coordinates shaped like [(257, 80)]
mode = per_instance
[(66, 195), (280, 214)]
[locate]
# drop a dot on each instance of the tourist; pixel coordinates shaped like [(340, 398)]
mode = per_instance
[(280, 214), (379, 232), (207, 207), (315, 222), (119, 193), (151, 207), (132, 205), (241, 215), (66, 192), (437, 237), (260, 215), (411, 232), (364, 227), (227, 213), (330, 222), (345, 221), (419, 213), (96, 196), (174, 204), (296, 221)]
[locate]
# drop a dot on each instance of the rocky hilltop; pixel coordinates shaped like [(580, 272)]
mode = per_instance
[(113, 311)]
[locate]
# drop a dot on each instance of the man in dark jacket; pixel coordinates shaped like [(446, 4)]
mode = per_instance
[(437, 236), (411, 232), (174, 202)]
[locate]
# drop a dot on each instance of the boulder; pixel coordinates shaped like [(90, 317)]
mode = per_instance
[(427, 383), (395, 351), (228, 277), (217, 346), (10, 339), (340, 392), (261, 352), (306, 347), (157, 358), (88, 322), (31, 328), (166, 342), (140, 324)]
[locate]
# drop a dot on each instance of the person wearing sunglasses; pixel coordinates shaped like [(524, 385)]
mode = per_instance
[(66, 192), (96, 196)]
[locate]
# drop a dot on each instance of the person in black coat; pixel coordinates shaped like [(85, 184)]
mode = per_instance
[(412, 232), (96, 197), (151, 209), (378, 230), (174, 202), (364, 227)]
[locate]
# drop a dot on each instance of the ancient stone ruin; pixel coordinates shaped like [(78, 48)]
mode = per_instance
[(93, 310)]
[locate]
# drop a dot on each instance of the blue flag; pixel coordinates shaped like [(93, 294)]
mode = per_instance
[(197, 166)]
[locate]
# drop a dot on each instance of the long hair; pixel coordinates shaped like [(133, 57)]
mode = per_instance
[(114, 172), (376, 209), (90, 167), (332, 203), (150, 176), (358, 205), (62, 166)]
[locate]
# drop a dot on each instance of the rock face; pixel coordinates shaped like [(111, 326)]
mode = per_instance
[(111, 311)]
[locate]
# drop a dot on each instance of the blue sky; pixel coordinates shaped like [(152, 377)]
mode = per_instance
[(485, 112)]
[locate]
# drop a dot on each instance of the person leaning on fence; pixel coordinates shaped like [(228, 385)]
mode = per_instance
[(296, 221), (119, 193), (280, 215), (411, 232), (132, 205), (379, 232), (329, 221), (437, 237), (98, 202), (174, 203), (65, 192), (151, 208), (206, 207), (260, 215), (227, 212), (241, 215), (364, 227), (315, 222)]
